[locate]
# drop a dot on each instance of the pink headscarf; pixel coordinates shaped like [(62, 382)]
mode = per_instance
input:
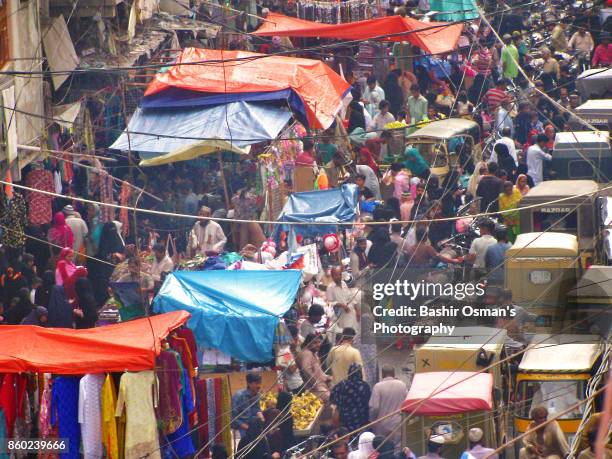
[(60, 233), (64, 269)]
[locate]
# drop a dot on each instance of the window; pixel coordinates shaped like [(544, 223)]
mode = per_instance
[(562, 222), (4, 36), (556, 396)]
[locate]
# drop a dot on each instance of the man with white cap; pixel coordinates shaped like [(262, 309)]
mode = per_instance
[(434, 445), (477, 450), (78, 227), (206, 235)]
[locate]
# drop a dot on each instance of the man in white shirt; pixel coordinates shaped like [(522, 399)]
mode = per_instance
[(506, 139), (477, 450), (162, 263), (478, 249), (78, 227), (342, 299), (383, 117), (503, 119), (536, 157), (387, 398), (373, 95), (206, 235)]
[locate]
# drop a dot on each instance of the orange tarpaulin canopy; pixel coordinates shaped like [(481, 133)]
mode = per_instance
[(130, 346), (432, 37), (318, 86)]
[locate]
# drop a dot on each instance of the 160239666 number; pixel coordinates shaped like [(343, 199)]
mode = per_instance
[(33, 445)]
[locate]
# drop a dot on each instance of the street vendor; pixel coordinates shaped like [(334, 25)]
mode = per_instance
[(245, 403), (206, 235)]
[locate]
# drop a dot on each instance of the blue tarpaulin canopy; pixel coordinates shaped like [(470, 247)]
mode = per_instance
[(249, 123), (236, 311), (334, 205)]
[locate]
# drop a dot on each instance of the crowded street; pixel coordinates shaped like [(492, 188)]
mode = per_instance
[(316, 229)]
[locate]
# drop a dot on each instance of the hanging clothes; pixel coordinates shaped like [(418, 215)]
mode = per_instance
[(13, 219), (187, 335), (64, 413), (168, 411), (39, 205), (12, 392), (107, 213), (180, 441), (136, 400), (124, 197), (90, 415), (109, 423)]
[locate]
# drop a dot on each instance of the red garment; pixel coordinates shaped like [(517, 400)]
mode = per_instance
[(365, 152), (495, 97), (202, 407), (60, 233), (39, 205), (12, 392), (602, 55), (304, 159), (187, 335), (70, 282)]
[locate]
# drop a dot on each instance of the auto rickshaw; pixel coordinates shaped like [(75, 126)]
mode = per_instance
[(575, 215), (582, 155), (450, 404), (597, 112), (437, 140), (541, 268), (590, 301), (555, 372)]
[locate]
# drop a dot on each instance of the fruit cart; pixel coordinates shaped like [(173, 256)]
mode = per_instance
[(306, 410)]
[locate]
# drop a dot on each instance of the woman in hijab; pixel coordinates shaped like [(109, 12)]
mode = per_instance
[(15, 314), (85, 303), (351, 396), (65, 266), (479, 170), (505, 161), (38, 316), (102, 266), (79, 273), (365, 448), (95, 228), (415, 163), (509, 200), (254, 445), (356, 117), (283, 404), (60, 310), (367, 159), (521, 184), (60, 233), (394, 93), (383, 249), (43, 293)]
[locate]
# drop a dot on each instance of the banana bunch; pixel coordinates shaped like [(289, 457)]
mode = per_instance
[(304, 409), (267, 400)]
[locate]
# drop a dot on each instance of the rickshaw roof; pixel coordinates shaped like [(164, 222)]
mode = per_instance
[(469, 338), (595, 106), (595, 282), (556, 189), (444, 129), (548, 244), (561, 353), (582, 140), (442, 393)]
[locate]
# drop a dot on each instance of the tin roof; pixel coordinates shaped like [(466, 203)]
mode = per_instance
[(544, 245), (556, 189), (562, 353)]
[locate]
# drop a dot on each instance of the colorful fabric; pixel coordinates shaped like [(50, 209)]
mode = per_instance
[(169, 408), (109, 422), (39, 204), (210, 398), (12, 221), (226, 415), (64, 413), (180, 441), (60, 233), (202, 403), (11, 396), (90, 415)]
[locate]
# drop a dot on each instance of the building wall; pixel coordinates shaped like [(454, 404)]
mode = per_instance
[(25, 55)]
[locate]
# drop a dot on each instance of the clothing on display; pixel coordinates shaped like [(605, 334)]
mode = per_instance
[(334, 12)]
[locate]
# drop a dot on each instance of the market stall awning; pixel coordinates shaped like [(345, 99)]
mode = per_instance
[(432, 37), (442, 393), (159, 131), (196, 150), (229, 72), (130, 346), (235, 312), (323, 206)]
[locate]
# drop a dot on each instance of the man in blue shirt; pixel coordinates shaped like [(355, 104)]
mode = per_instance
[(245, 403), (496, 256)]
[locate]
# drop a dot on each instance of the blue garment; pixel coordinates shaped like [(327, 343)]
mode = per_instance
[(3, 434), (180, 441), (494, 260), (245, 406), (65, 413)]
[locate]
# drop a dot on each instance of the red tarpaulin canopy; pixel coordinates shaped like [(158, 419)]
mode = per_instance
[(319, 87), (432, 37), (458, 392), (130, 346)]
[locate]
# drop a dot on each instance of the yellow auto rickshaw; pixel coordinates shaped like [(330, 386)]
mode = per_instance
[(554, 372)]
